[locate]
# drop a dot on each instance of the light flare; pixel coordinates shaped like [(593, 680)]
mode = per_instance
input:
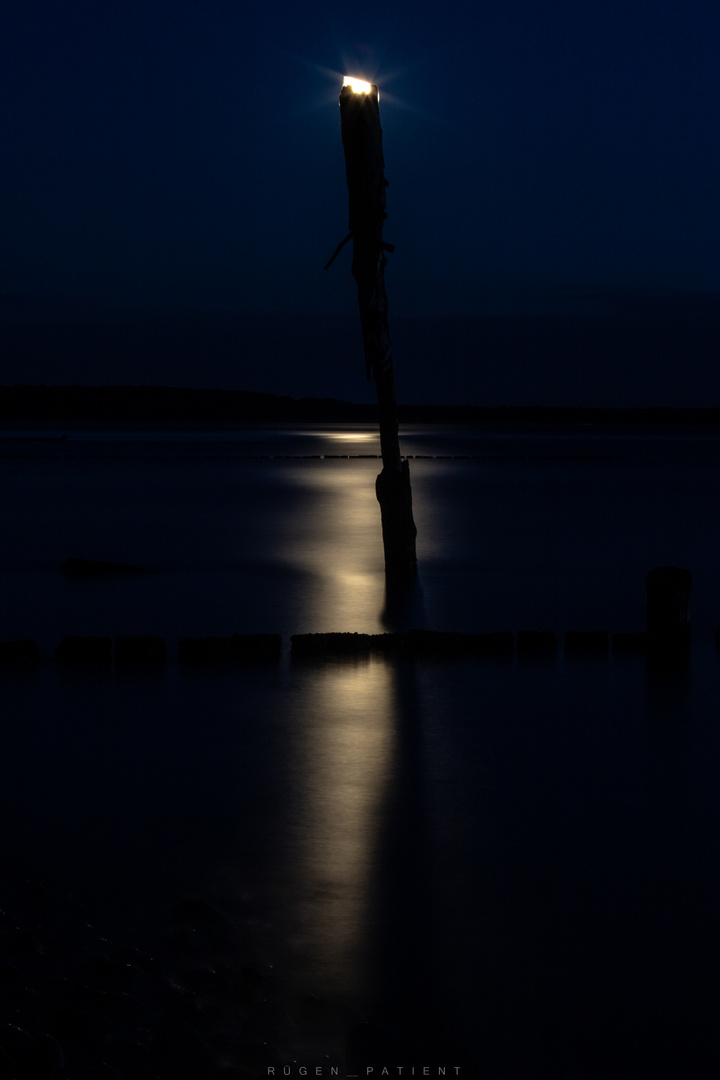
[(359, 86)]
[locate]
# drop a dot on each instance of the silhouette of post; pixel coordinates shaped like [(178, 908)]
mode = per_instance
[(364, 165)]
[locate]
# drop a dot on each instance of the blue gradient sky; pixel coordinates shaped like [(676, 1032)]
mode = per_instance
[(187, 155)]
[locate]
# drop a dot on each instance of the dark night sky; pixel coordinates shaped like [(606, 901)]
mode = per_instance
[(554, 172)]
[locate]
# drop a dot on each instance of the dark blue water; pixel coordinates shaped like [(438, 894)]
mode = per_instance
[(256, 531), (517, 862)]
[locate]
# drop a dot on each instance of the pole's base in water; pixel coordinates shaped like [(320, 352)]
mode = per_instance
[(398, 526)]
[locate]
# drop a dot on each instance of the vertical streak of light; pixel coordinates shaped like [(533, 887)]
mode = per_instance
[(345, 753)]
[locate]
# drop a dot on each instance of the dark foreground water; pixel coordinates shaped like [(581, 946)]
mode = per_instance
[(517, 864)]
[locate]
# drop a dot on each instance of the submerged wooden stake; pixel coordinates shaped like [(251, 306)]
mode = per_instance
[(364, 165)]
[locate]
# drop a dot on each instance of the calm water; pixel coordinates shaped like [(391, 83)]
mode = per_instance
[(256, 531), (515, 862)]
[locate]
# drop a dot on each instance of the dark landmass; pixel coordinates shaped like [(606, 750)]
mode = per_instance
[(140, 405), (614, 349)]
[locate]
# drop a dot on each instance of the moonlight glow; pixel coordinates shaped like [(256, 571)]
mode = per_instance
[(358, 86)]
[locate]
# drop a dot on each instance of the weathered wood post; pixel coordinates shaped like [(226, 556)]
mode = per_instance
[(364, 165)]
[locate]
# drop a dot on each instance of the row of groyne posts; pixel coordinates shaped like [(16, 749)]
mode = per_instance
[(667, 636)]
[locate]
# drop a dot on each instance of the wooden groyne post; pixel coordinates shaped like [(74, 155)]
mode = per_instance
[(364, 165)]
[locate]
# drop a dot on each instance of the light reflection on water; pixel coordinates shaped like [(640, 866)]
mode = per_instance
[(362, 437), (532, 848), (337, 544), (343, 756), (515, 855), (283, 544)]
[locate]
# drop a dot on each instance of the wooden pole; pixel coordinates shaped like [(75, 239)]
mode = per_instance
[(364, 165)]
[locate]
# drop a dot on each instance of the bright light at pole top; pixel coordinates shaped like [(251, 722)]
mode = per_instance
[(358, 86)]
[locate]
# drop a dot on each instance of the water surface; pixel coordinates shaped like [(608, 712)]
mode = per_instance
[(517, 862)]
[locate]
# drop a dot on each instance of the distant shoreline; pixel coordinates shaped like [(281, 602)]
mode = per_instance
[(141, 405)]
